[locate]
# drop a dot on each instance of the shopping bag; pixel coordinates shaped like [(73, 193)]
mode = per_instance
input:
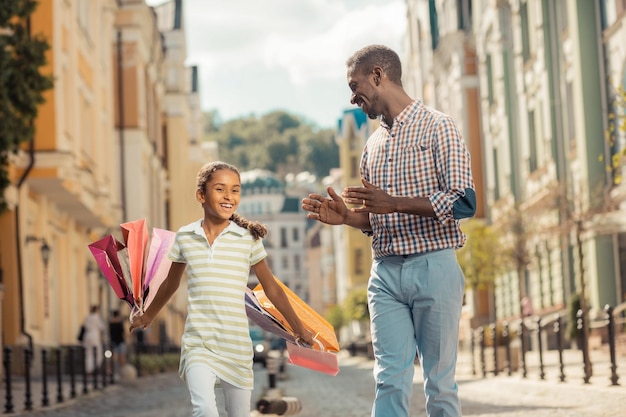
[(316, 360), (265, 320), (312, 320)]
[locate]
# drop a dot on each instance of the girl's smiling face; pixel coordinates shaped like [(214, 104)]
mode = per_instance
[(221, 194)]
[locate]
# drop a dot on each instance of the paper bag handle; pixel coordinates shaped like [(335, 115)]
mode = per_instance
[(319, 342)]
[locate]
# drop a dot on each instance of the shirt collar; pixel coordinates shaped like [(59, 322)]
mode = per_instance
[(196, 227), (404, 116)]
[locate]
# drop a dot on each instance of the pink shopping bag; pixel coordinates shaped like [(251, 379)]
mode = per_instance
[(315, 360)]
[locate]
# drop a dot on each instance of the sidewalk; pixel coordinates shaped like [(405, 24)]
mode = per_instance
[(468, 374), (55, 398), (573, 370)]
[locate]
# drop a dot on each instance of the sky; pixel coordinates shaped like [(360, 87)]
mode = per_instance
[(256, 56)]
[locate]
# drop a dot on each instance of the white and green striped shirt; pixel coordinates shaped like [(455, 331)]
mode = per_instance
[(216, 330)]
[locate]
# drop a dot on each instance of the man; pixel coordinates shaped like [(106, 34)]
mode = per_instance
[(117, 337), (417, 184)]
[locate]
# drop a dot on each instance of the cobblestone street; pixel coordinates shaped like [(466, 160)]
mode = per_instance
[(350, 393)]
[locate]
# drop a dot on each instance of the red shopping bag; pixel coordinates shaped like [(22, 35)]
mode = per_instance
[(316, 360)]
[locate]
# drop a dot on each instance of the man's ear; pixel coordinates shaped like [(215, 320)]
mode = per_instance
[(377, 75)]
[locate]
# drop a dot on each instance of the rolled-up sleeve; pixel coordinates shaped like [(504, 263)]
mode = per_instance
[(457, 196)]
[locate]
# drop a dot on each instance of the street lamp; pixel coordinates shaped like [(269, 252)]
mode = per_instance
[(44, 248), (45, 253)]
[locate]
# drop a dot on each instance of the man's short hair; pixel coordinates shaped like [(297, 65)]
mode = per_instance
[(365, 59)]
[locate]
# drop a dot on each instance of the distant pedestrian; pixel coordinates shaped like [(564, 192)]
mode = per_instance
[(416, 186), (218, 251), (117, 337), (93, 339)]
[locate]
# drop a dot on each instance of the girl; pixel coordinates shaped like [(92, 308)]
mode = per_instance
[(218, 251)]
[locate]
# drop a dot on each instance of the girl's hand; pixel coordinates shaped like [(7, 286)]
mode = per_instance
[(305, 337), (139, 321)]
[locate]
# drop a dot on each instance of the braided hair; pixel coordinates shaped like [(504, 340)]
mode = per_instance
[(205, 174)]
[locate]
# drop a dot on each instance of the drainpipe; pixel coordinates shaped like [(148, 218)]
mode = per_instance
[(120, 111), (18, 243)]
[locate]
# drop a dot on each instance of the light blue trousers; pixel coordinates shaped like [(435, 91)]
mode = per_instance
[(415, 307)]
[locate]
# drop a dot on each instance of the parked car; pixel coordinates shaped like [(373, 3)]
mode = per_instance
[(260, 344)]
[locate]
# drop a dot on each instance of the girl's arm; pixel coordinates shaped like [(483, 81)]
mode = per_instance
[(166, 290), (277, 296)]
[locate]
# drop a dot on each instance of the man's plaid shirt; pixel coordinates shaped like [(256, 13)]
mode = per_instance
[(421, 155)]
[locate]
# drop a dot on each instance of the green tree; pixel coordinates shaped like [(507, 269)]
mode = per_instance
[(335, 316), (21, 82), (277, 141), (617, 125), (481, 259), (517, 251), (355, 305)]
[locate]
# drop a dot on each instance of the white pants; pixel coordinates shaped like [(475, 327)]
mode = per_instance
[(201, 384)]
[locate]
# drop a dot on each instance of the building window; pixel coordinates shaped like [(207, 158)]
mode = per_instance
[(354, 167), (561, 15), (525, 31), (296, 263), (571, 122), (496, 176), (358, 261), (295, 234), (434, 24), (283, 237), (532, 142), (84, 10), (489, 66), (464, 14)]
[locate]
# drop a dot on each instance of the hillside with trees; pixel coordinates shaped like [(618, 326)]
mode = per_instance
[(277, 141)]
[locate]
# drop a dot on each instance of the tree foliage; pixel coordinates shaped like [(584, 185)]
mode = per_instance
[(278, 141), (481, 258), (617, 129), (21, 82), (355, 305), (335, 316)]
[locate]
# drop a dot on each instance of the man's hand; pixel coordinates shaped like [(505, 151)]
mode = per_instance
[(371, 198)]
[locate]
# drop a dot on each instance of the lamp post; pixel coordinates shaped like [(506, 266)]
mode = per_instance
[(45, 251), (92, 282)]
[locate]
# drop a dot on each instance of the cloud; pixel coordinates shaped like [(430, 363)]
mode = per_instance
[(257, 56), (322, 54)]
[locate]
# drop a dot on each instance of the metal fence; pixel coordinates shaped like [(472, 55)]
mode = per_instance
[(502, 347), (57, 374)]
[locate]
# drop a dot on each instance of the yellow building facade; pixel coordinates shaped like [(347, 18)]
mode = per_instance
[(117, 139)]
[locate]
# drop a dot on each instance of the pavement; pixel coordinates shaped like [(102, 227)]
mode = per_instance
[(350, 393)]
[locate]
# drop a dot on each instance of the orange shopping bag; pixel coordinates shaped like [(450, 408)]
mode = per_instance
[(312, 320)]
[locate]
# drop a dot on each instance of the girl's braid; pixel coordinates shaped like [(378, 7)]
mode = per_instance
[(257, 229)]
